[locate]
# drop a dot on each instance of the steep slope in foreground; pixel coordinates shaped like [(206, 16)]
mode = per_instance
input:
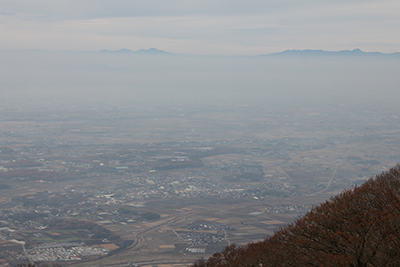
[(359, 227)]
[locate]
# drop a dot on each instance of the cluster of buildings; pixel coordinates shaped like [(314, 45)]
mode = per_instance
[(210, 226), (167, 186), (204, 238), (63, 253)]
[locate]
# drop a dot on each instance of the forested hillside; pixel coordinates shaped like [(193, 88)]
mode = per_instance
[(359, 227)]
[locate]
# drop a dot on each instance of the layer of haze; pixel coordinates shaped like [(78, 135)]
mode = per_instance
[(33, 79)]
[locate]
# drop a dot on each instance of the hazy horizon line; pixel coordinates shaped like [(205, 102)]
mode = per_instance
[(154, 50)]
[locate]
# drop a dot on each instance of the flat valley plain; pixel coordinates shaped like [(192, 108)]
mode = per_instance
[(172, 184)]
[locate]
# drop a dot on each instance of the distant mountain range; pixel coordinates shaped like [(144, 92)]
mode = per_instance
[(307, 52), (298, 53)]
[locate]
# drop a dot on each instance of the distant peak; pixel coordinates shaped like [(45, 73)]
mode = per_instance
[(152, 51)]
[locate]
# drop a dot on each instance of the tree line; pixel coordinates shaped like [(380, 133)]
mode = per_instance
[(360, 227)]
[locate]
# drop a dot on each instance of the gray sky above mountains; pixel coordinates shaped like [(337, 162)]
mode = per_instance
[(200, 27)]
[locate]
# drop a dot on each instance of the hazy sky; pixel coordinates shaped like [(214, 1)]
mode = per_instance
[(224, 27)]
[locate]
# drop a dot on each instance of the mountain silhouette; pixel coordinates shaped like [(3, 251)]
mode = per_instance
[(359, 227)]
